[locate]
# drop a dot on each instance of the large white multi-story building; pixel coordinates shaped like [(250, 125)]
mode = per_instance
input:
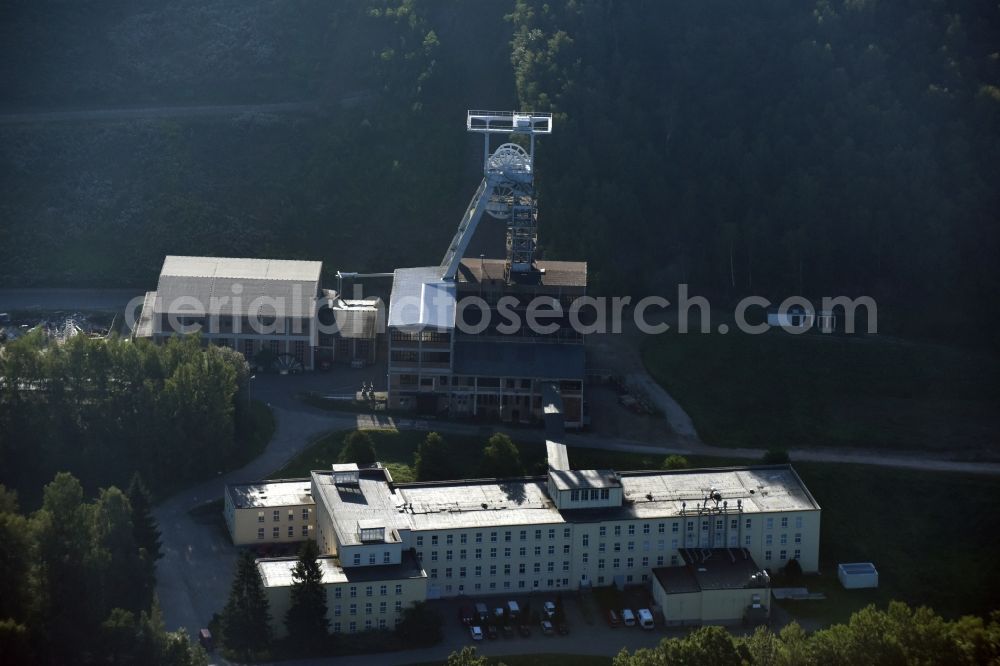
[(566, 530)]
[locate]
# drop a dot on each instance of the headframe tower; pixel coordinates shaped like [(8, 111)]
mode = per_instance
[(507, 191)]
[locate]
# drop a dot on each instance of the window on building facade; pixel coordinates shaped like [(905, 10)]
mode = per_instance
[(260, 516), (260, 532), (276, 533)]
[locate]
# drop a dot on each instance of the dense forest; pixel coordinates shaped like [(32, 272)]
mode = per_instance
[(106, 409), (77, 581), (824, 148)]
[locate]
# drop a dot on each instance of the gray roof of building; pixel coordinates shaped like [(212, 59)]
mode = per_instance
[(538, 360), (711, 569), (421, 299), (359, 319), (371, 499), (263, 494), (572, 479), (277, 572), (558, 457), (238, 286), (525, 501)]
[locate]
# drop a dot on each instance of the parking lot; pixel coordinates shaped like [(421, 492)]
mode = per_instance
[(588, 629)]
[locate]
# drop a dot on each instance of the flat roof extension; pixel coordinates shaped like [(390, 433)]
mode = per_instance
[(271, 494)]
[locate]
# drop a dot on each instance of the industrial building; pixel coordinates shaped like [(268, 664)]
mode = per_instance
[(460, 342), (263, 308), (567, 530)]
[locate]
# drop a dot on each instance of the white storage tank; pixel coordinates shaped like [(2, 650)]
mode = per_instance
[(857, 575)]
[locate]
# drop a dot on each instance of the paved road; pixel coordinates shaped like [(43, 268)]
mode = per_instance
[(67, 299)]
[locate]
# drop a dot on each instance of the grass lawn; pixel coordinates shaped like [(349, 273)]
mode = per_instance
[(782, 391), (395, 449), (933, 537)]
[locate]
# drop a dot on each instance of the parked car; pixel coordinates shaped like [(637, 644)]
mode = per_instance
[(628, 617), (547, 628), (508, 631), (477, 633), (513, 609), (524, 630), (613, 619), (206, 640), (482, 612), (550, 609), (467, 615), (563, 629), (646, 619), (491, 632)]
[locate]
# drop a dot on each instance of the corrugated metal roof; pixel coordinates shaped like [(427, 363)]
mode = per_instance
[(242, 268), (421, 299), (232, 286), (553, 273), (144, 327), (519, 359)]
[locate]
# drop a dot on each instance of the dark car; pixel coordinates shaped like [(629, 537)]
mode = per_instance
[(466, 615), (562, 629), (613, 619), (491, 632), (547, 628), (524, 630), (508, 631)]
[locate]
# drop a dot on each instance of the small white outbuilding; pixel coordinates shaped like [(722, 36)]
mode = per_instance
[(857, 575)]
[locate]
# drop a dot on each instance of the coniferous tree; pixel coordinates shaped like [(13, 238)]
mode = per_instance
[(144, 527), (306, 618), (358, 448), (501, 458), (433, 460), (147, 538), (246, 620)]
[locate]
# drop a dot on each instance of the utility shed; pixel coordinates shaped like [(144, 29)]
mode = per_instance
[(857, 575), (714, 586)]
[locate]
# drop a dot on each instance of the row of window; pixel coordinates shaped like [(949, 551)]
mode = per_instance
[(352, 609), (782, 555), (594, 494), (372, 558), (276, 532), (352, 627), (383, 590), (508, 536), (521, 585), (276, 515), (477, 553)]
